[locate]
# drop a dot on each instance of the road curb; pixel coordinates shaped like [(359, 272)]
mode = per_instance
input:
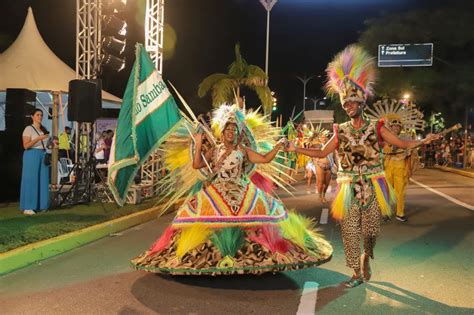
[(35, 252), (454, 170)]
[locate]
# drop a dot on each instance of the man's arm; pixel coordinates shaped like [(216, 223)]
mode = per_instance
[(329, 147), (392, 139)]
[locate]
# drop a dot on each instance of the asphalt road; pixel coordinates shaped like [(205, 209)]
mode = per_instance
[(424, 266)]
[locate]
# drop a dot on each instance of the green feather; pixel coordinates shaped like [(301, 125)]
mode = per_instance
[(300, 230), (228, 240)]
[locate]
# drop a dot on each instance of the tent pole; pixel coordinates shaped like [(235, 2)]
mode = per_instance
[(54, 150)]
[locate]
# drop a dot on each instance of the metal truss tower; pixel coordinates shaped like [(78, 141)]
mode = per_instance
[(88, 41), (88, 55), (154, 28), (88, 38)]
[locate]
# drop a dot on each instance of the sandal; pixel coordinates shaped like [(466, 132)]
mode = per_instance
[(366, 271), (355, 281)]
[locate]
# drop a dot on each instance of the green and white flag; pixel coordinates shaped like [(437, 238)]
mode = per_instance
[(147, 115)]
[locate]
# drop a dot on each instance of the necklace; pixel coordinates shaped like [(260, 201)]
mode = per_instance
[(361, 129)]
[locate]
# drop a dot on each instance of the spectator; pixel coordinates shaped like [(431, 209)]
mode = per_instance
[(108, 144), (34, 194), (99, 152), (65, 143), (446, 154)]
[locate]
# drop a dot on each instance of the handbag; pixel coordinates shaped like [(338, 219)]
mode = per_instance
[(47, 159), (47, 156)]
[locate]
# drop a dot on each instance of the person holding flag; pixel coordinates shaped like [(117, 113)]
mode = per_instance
[(229, 221)]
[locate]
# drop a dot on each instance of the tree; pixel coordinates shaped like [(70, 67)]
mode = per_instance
[(446, 86), (226, 86)]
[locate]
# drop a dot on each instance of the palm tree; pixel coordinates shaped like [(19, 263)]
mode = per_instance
[(226, 87)]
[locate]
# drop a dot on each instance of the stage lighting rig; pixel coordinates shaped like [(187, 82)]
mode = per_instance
[(112, 62), (113, 44), (114, 29), (112, 25)]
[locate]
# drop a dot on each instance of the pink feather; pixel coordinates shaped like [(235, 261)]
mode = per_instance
[(262, 182), (163, 241), (270, 237)]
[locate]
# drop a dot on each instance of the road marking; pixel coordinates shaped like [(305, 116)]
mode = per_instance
[(324, 216), (456, 201), (308, 298)]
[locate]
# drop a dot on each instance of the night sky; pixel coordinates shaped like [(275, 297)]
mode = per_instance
[(305, 35)]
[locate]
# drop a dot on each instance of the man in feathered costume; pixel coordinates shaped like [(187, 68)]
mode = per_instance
[(230, 221), (364, 195), (403, 120)]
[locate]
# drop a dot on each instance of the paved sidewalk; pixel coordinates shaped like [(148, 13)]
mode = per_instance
[(469, 172)]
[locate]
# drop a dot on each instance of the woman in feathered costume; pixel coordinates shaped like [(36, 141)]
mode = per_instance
[(230, 223), (364, 195)]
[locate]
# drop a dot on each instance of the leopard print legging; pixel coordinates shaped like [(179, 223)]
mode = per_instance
[(360, 221)]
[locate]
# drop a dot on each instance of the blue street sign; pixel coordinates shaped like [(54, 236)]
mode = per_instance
[(405, 55)]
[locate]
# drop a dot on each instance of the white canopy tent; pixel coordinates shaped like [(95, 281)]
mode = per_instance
[(29, 64)]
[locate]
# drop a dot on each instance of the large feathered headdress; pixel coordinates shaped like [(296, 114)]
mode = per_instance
[(351, 75), (394, 112), (222, 116)]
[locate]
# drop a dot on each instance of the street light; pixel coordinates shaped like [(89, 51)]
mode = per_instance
[(317, 100), (268, 5), (406, 96), (304, 80)]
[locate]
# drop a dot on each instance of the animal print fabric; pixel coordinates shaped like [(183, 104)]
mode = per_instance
[(358, 150), (359, 222), (252, 258)]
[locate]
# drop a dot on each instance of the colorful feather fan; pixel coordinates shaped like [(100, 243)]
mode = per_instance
[(228, 240), (192, 237), (177, 161), (270, 237), (300, 230), (163, 242), (385, 194), (342, 203)]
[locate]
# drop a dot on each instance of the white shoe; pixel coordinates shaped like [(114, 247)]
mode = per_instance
[(29, 212)]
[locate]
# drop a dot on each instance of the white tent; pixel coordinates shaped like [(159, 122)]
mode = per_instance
[(29, 64)]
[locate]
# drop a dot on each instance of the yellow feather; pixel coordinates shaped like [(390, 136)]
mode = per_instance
[(337, 210), (192, 237), (177, 157), (297, 228)]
